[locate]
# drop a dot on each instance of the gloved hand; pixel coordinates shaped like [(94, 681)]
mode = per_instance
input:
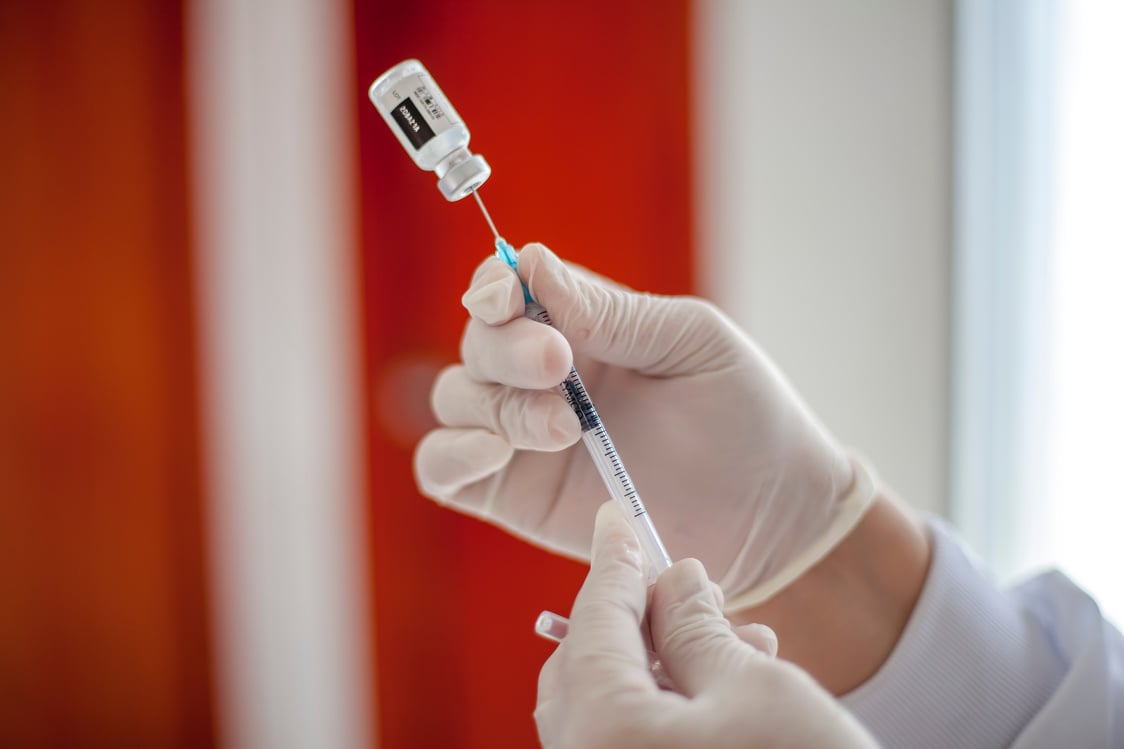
[(596, 690), (732, 466)]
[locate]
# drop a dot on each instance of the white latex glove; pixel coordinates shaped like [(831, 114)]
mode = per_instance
[(596, 690), (732, 466)]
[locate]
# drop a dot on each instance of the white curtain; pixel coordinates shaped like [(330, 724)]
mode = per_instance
[(1038, 315)]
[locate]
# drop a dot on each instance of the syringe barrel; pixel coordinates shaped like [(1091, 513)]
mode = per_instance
[(609, 465), (597, 441), (613, 474)]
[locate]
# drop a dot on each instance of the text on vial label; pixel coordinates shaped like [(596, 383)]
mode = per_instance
[(413, 125)]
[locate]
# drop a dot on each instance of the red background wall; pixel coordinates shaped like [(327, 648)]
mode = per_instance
[(581, 108), (103, 607)]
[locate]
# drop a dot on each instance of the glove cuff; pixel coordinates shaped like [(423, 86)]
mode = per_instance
[(848, 512)]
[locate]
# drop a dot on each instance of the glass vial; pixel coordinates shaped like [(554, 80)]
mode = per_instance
[(428, 127)]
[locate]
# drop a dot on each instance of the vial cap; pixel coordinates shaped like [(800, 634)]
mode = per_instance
[(465, 177)]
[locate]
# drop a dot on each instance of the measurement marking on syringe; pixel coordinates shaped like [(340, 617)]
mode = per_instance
[(610, 465)]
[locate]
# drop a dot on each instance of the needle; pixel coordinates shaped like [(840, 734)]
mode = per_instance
[(484, 210)]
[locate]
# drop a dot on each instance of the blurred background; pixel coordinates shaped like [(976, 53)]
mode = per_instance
[(224, 291)]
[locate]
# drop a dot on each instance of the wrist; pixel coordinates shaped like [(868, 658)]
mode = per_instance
[(842, 618), (815, 530)]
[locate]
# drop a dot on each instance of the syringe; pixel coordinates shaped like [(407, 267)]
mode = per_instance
[(594, 435), (433, 133)]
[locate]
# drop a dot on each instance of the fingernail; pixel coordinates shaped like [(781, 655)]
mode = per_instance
[(489, 302), (719, 596), (765, 637), (530, 352), (548, 262), (563, 428), (612, 532), (552, 261), (689, 581)]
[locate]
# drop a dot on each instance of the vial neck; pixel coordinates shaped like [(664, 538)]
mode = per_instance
[(458, 156)]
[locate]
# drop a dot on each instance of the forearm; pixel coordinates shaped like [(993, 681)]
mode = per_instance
[(841, 619)]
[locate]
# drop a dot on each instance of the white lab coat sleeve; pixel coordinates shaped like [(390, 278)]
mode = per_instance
[(1036, 666)]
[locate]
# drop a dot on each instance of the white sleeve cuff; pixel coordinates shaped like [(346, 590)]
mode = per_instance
[(972, 667)]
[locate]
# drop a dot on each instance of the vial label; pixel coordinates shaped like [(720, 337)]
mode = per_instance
[(417, 130), (419, 108)]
